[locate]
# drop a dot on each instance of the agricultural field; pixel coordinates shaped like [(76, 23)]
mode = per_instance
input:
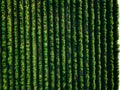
[(59, 45)]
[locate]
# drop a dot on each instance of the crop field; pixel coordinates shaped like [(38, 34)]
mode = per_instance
[(59, 45)]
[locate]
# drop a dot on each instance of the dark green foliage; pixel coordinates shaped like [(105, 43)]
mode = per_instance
[(31, 45), (85, 44), (9, 45), (27, 45), (45, 45), (34, 61), (59, 45), (0, 49), (18, 42), (21, 43), (97, 43), (91, 45), (115, 43), (56, 43), (38, 30), (62, 44), (24, 62), (3, 47), (16, 67), (50, 44), (13, 43), (79, 43), (74, 44), (68, 45), (103, 31), (110, 55)]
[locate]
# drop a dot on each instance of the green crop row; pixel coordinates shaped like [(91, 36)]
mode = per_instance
[(79, 44), (97, 44), (92, 62), (73, 45), (103, 45), (110, 55), (115, 43), (62, 45), (56, 43)]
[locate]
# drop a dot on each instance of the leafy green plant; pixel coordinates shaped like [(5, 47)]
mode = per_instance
[(103, 44), (79, 43), (62, 44), (68, 45), (97, 44), (110, 55), (4, 46), (45, 45), (91, 44), (115, 43), (73, 45), (85, 44)]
